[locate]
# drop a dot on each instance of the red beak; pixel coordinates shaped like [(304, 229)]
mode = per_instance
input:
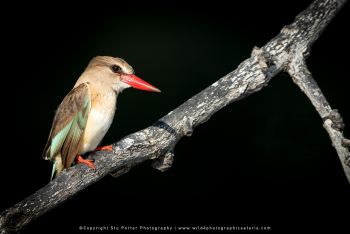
[(138, 83)]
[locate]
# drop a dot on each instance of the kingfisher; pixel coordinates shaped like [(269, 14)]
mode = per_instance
[(86, 113)]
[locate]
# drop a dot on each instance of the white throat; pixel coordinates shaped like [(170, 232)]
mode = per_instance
[(120, 86)]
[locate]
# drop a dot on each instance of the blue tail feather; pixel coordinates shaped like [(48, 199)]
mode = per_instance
[(53, 173)]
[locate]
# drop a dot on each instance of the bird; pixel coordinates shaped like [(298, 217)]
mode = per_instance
[(87, 111)]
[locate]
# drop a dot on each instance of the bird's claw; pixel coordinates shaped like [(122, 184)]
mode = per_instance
[(87, 162), (104, 148)]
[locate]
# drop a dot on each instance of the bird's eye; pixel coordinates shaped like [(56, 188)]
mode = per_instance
[(116, 69)]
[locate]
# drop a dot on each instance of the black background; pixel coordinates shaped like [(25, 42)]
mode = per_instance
[(265, 160)]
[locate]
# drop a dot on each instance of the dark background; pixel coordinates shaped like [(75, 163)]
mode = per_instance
[(265, 160)]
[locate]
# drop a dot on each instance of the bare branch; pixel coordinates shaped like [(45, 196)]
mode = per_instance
[(333, 122), (158, 141)]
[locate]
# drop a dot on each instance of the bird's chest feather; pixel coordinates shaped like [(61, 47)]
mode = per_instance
[(100, 119)]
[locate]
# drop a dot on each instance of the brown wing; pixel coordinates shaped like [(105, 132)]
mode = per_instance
[(69, 125)]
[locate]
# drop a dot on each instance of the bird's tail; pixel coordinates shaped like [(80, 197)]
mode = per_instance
[(57, 167)]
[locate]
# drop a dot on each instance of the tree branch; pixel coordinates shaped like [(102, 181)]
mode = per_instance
[(332, 121), (285, 52)]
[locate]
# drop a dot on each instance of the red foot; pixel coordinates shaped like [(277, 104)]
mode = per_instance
[(107, 148), (87, 162)]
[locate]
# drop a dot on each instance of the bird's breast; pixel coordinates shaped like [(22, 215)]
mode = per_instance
[(100, 119)]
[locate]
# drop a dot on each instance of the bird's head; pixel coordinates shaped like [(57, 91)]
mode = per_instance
[(117, 73)]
